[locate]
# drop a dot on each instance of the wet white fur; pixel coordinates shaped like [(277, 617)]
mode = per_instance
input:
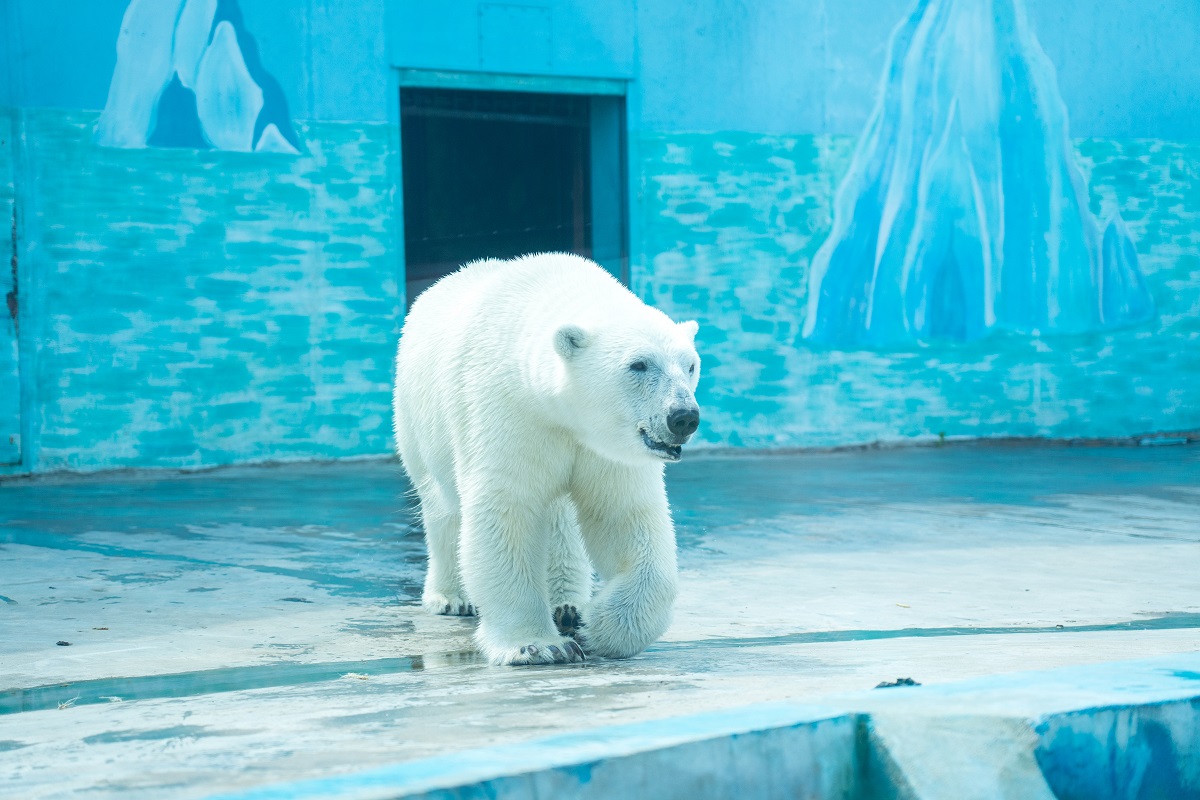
[(519, 423)]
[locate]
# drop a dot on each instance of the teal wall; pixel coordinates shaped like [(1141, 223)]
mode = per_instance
[(188, 306), (732, 222), (201, 308), (738, 169), (10, 371)]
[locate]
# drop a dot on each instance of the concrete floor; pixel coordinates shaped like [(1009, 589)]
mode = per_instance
[(254, 625)]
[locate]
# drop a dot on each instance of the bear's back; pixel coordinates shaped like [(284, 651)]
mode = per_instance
[(539, 290)]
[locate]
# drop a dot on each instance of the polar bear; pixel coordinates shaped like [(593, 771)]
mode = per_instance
[(536, 403)]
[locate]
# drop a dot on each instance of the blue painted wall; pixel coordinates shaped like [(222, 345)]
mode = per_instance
[(190, 307), (736, 197)]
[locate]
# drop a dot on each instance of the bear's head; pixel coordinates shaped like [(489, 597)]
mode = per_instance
[(630, 385)]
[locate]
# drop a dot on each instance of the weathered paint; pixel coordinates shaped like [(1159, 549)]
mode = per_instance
[(10, 366), (206, 307), (1148, 751), (760, 752), (964, 211), (148, 274), (733, 221), (934, 747), (1124, 67), (189, 74)]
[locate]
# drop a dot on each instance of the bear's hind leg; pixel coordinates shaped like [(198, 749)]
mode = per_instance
[(444, 592)]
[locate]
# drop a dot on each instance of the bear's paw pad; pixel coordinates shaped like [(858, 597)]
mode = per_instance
[(448, 606), (568, 621)]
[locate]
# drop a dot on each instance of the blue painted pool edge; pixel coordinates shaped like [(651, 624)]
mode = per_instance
[(576, 758), (1140, 718)]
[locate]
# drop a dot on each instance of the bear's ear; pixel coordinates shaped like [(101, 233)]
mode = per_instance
[(690, 327), (569, 340)]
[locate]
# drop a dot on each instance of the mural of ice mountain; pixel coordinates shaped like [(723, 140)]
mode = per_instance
[(189, 75), (963, 210)]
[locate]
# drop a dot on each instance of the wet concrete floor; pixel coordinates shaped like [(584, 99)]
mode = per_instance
[(252, 625)]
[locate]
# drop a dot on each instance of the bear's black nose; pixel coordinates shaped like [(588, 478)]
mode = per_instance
[(684, 421)]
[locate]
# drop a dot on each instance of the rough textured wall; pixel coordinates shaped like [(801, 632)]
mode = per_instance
[(10, 371), (733, 220), (207, 307), (188, 307)]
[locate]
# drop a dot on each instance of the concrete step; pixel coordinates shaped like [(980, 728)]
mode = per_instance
[(1116, 730)]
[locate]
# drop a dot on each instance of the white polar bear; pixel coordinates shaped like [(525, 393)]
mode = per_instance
[(536, 402)]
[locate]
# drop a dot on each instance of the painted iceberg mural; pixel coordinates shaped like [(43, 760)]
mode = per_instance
[(963, 210), (188, 74)]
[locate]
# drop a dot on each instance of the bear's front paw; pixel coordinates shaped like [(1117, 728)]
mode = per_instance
[(568, 621), (451, 606), (564, 651), (609, 635)]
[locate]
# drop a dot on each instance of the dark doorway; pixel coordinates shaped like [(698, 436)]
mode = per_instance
[(501, 174)]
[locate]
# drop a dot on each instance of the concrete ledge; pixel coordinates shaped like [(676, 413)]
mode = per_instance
[(1116, 730), (1126, 729), (768, 751)]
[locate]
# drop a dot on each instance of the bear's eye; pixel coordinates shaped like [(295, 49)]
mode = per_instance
[(638, 366), (692, 369)]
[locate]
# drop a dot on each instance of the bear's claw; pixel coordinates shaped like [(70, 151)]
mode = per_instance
[(449, 606), (566, 651)]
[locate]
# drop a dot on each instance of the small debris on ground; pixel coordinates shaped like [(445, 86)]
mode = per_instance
[(294, 600), (99, 629), (903, 605), (67, 703), (62, 643), (897, 682)]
